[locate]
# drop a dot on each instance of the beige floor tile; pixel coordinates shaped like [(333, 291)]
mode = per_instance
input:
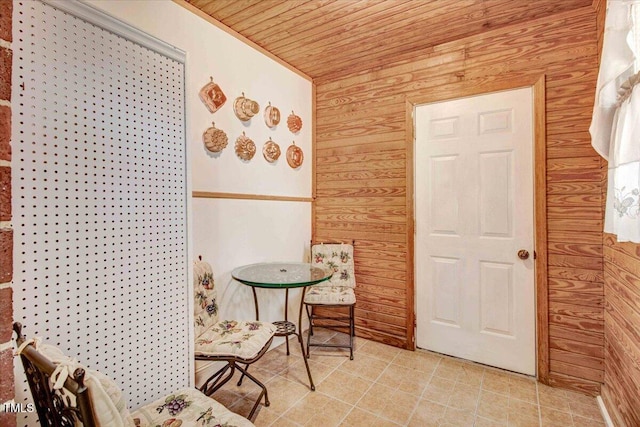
[(284, 422), (375, 399), (386, 386), (320, 334), (226, 396), (547, 400), (471, 375), (427, 414), (523, 421), (485, 422), (525, 390), (283, 394), (344, 386), (329, 357), (317, 409), (495, 382), (275, 361), (587, 410), (394, 375), (448, 371), (519, 408), (243, 406), (458, 418), (358, 418), (544, 389), (552, 418), (574, 396), (464, 397), (399, 407), (489, 397), (404, 379), (379, 351), (368, 368), (495, 411), (588, 422), (439, 390), (339, 337), (418, 360), (466, 388), (297, 372), (265, 416)]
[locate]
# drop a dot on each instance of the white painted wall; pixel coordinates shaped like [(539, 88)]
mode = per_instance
[(230, 233)]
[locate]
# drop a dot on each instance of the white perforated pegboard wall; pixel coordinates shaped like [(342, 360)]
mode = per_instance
[(100, 201)]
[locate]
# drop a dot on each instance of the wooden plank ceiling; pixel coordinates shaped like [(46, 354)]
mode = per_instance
[(327, 39)]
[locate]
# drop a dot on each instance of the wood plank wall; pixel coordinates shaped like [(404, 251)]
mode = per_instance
[(621, 388), (361, 181)]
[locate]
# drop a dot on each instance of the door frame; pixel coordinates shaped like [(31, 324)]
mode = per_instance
[(537, 83)]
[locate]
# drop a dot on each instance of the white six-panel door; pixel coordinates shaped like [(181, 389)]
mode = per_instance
[(474, 211)]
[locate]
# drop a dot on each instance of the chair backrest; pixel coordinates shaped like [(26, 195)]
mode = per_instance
[(206, 297), (54, 409), (337, 257)]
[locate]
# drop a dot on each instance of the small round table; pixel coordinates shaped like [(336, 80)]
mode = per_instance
[(283, 275)]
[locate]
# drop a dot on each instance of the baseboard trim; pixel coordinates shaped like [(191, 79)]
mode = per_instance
[(605, 413)]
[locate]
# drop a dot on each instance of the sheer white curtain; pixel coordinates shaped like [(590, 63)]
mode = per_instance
[(615, 127)]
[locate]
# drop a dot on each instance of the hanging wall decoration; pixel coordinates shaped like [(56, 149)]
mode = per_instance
[(212, 96), (271, 116), (215, 139), (294, 155), (245, 147), (245, 108), (294, 123), (271, 151)]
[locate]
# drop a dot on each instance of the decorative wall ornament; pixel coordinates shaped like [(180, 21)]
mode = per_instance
[(215, 139), (245, 108), (271, 116), (294, 155), (294, 123), (245, 147), (212, 96), (271, 151)]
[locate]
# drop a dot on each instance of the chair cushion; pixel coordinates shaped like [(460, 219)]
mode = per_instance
[(187, 407), (109, 405), (206, 297), (338, 295), (337, 257), (243, 339)]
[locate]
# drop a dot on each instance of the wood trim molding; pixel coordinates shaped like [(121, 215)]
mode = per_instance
[(540, 223), (537, 83), (411, 225), (240, 37), (242, 196), (314, 183)]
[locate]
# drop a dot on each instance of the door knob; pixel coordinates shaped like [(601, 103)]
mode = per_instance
[(523, 254)]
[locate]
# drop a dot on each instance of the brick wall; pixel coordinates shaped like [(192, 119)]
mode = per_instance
[(6, 232)]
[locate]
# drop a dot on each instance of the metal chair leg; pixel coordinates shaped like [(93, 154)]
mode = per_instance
[(262, 393), (310, 330), (352, 331), (215, 381)]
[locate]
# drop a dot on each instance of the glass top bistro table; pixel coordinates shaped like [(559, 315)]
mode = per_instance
[(283, 275)]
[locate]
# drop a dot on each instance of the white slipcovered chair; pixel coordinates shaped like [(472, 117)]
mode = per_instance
[(338, 292), (67, 394), (233, 342)]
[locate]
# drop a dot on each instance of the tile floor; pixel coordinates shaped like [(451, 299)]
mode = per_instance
[(387, 386)]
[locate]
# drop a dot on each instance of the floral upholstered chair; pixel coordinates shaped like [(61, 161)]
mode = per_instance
[(337, 292), (234, 342), (67, 394)]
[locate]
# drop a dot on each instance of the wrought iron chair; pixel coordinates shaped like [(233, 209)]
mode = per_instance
[(66, 394), (338, 292), (233, 342)]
